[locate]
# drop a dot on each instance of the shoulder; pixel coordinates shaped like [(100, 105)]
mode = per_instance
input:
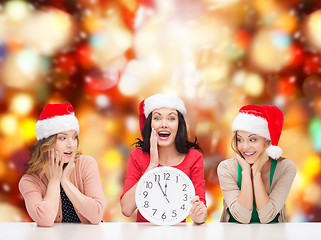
[(194, 153), (286, 165), (28, 180), (228, 165), (86, 161), (137, 153)]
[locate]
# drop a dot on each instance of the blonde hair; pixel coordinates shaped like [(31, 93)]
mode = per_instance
[(39, 160), (234, 147)]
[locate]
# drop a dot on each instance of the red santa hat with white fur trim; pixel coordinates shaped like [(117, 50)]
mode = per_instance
[(263, 120), (56, 118), (156, 101)]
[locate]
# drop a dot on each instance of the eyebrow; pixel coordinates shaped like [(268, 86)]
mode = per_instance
[(248, 135), (67, 134), (171, 113)]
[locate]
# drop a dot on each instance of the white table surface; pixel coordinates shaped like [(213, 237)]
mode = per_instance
[(142, 231)]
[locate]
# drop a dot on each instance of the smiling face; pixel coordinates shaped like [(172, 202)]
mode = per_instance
[(66, 145), (251, 146), (165, 123)]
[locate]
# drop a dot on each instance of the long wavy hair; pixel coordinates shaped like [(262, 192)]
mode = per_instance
[(39, 159), (182, 144)]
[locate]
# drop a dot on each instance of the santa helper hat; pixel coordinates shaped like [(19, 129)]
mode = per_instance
[(156, 101), (56, 118), (263, 120)]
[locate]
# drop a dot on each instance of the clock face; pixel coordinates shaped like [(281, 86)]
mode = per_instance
[(163, 195)]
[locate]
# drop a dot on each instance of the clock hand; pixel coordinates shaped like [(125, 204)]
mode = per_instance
[(163, 192), (165, 188), (161, 189)]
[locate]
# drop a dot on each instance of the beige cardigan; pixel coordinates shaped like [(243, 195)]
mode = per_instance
[(281, 184)]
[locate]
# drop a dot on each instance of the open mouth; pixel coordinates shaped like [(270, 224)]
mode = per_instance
[(249, 154), (164, 135), (68, 154)]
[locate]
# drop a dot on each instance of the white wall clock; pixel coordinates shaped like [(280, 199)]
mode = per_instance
[(163, 195)]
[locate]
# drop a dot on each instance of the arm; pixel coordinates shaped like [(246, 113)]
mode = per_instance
[(261, 196), (39, 209), (245, 197), (198, 212), (279, 192), (227, 175), (43, 210), (90, 204)]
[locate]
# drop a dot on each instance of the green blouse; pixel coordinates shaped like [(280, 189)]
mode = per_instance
[(255, 216)]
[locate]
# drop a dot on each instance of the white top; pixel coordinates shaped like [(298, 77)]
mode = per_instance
[(142, 231)]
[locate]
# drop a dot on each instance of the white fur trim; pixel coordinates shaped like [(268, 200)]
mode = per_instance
[(274, 151), (160, 100), (252, 124), (48, 127)]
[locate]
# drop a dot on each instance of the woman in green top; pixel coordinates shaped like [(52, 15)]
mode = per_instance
[(256, 183)]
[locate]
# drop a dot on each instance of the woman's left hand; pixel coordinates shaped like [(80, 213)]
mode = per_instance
[(68, 170), (198, 212)]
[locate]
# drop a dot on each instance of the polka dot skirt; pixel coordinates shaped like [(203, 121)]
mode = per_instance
[(68, 212)]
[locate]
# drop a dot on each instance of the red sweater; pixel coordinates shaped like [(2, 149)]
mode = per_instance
[(192, 166)]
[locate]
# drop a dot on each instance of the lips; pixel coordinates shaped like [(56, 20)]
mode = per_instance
[(68, 154), (164, 135)]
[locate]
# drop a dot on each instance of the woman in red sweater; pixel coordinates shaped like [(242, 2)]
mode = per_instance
[(60, 184), (165, 143)]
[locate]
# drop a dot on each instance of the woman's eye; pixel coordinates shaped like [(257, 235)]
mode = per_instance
[(156, 118), (253, 139), (172, 119), (239, 140), (62, 138)]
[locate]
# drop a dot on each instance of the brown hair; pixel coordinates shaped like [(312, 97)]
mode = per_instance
[(39, 160)]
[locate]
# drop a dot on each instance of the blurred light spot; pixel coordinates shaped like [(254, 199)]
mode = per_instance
[(131, 124), (270, 50), (315, 131), (311, 167), (16, 10), (21, 104), (8, 124), (48, 31), (9, 213), (102, 101), (6, 187), (101, 79), (254, 85), (27, 129), (313, 24), (112, 159), (132, 79), (22, 69), (281, 39), (312, 86)]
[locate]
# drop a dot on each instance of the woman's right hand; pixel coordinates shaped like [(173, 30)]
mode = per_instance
[(245, 166), (54, 171), (154, 160)]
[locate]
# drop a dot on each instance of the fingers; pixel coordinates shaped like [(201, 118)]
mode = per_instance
[(198, 207), (153, 140)]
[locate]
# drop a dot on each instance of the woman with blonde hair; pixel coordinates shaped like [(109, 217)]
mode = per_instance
[(256, 182), (60, 184)]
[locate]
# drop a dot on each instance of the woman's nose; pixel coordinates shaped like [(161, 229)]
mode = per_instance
[(164, 123)]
